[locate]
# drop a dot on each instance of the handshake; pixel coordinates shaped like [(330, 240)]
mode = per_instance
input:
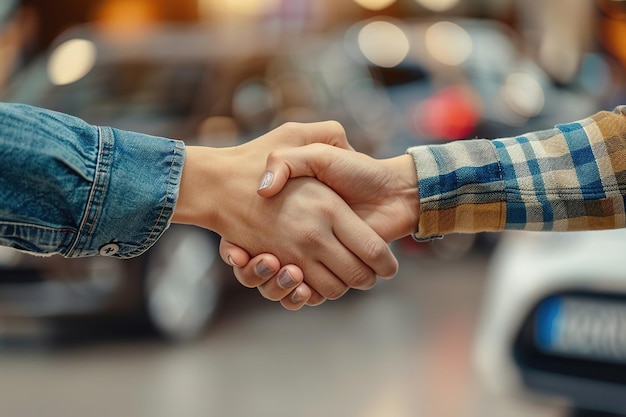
[(330, 231), (302, 216)]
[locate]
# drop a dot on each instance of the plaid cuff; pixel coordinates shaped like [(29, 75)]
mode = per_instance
[(460, 188), (572, 177)]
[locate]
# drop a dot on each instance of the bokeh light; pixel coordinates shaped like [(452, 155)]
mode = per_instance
[(448, 43), (71, 61), (130, 15), (451, 113), (524, 94), (218, 131), (374, 4), (249, 8), (383, 43), (254, 102), (438, 5)]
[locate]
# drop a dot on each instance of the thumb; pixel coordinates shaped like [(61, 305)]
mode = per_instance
[(233, 254), (282, 164)]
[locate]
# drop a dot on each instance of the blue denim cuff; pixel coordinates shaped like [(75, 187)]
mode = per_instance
[(133, 195)]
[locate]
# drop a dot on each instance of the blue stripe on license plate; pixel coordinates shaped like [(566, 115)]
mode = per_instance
[(593, 329)]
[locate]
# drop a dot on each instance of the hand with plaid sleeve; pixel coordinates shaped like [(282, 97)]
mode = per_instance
[(570, 177)]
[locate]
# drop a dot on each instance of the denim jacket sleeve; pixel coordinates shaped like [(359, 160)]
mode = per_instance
[(71, 188)]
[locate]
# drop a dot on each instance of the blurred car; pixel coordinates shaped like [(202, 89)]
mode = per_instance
[(463, 78), (554, 320), (219, 86), (163, 84), (174, 290), (204, 85)]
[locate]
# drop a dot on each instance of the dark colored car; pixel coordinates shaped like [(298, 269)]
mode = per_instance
[(206, 86), (167, 83)]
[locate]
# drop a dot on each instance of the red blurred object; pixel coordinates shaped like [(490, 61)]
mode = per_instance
[(450, 113)]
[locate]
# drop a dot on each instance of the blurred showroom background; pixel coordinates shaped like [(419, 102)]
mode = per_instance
[(461, 331)]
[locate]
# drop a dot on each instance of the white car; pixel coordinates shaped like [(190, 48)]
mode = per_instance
[(554, 318)]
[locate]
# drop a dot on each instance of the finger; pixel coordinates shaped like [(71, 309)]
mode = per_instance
[(232, 254), (330, 132), (258, 271), (286, 163), (329, 263), (304, 161), (315, 299), (366, 245), (282, 284), (297, 298), (326, 284)]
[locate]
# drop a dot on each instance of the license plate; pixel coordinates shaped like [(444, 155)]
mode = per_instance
[(573, 326)]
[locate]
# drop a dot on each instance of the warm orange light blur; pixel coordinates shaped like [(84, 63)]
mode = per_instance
[(237, 8), (614, 33), (218, 131), (438, 5), (374, 4), (127, 15)]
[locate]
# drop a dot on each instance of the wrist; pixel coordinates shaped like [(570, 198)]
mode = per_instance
[(218, 187), (199, 187), (407, 192)]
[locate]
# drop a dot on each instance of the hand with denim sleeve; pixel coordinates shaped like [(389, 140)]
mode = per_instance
[(71, 188), (76, 189), (307, 224)]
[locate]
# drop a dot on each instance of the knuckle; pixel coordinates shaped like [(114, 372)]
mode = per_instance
[(289, 127), (279, 158), (245, 279), (336, 128), (375, 250), (273, 157), (335, 292), (311, 236), (330, 208), (363, 279)]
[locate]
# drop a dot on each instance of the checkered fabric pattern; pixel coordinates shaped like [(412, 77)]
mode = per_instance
[(571, 177)]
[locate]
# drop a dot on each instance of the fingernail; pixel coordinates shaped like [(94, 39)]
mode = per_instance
[(231, 262), (263, 270), (267, 180), (285, 279), (296, 297)]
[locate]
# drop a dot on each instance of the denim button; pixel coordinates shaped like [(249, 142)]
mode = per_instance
[(109, 249)]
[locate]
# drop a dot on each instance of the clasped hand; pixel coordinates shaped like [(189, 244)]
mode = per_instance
[(382, 193), (334, 237)]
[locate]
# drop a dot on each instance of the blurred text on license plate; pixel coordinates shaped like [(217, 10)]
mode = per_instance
[(587, 328)]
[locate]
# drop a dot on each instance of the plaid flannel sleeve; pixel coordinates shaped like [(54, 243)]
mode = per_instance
[(571, 177)]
